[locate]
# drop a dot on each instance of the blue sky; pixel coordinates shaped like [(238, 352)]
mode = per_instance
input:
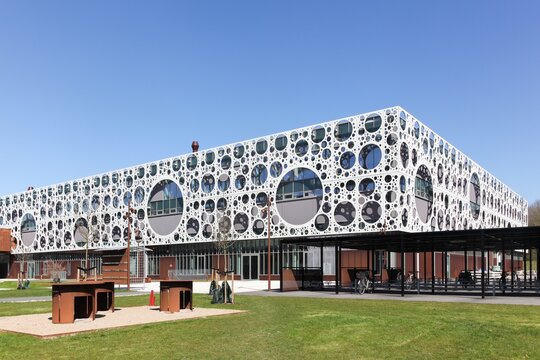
[(88, 87)]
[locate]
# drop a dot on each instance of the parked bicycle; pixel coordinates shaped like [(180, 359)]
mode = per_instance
[(362, 283), (409, 282), (465, 279)]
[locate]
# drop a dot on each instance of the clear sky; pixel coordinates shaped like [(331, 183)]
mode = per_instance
[(92, 86)]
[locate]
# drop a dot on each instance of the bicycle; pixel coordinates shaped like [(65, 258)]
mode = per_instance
[(362, 283), (410, 281)]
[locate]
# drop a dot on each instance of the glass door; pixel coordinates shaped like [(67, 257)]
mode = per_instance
[(250, 267)]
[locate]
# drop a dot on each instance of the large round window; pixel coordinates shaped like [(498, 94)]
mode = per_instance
[(474, 195), (423, 193), (28, 229), (165, 207), (299, 196)]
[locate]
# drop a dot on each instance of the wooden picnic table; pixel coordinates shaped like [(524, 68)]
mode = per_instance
[(81, 300), (175, 295)]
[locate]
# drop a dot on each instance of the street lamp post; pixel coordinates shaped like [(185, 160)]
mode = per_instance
[(128, 217), (268, 264)]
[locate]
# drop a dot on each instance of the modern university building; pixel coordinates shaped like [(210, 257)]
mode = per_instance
[(378, 173)]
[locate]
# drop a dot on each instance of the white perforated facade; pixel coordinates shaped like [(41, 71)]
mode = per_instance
[(382, 170)]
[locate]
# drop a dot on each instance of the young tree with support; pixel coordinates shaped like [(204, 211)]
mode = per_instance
[(85, 232), (223, 243)]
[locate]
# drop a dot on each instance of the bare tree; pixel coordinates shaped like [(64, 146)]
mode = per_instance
[(534, 213), (534, 220), (223, 243), (86, 231), (53, 268)]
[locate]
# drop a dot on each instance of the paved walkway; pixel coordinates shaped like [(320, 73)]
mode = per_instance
[(508, 300), (41, 324)]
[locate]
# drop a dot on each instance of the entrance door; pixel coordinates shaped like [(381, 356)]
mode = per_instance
[(250, 267)]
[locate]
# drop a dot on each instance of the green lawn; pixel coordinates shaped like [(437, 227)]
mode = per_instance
[(303, 328), (37, 288)]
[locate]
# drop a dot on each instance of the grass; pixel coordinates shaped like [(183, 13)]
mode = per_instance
[(8, 289), (37, 288), (279, 327)]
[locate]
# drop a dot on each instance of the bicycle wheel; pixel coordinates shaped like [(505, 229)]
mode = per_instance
[(363, 286)]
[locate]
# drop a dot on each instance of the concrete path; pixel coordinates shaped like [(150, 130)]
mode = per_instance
[(471, 299)]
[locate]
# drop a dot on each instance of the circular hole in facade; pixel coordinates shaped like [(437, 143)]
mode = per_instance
[(194, 185), (301, 148), (366, 187), (474, 195), (322, 222), (28, 229), (241, 223), (371, 212), (262, 199), (116, 234), (81, 232), (391, 196), (402, 120), (127, 198), (207, 184), (373, 122), (343, 130), (210, 157), (67, 238), (392, 139), (226, 162), (259, 174), (370, 156), (258, 227), (59, 208), (224, 182), (344, 213), (191, 162), (165, 207), (222, 204), (139, 195), (140, 214), (276, 168), (299, 196), (209, 206), (281, 142), (261, 146), (317, 134), (240, 182), (192, 227), (95, 202), (347, 160), (423, 193), (238, 151), (207, 231)]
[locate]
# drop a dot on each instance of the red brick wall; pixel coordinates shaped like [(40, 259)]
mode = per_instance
[(5, 240)]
